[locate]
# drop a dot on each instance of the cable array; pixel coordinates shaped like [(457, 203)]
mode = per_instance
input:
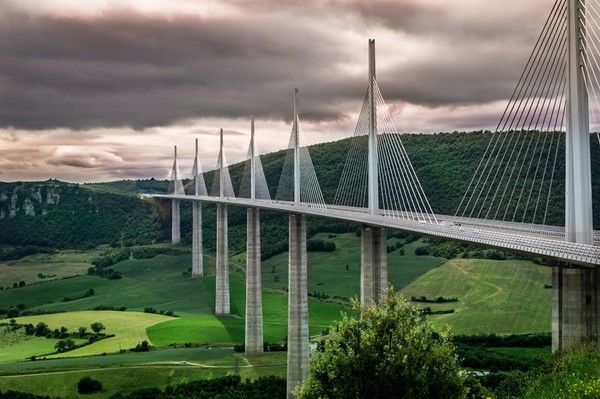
[(260, 185), (515, 178), (222, 176), (590, 14), (198, 176), (310, 190), (175, 183), (400, 192)]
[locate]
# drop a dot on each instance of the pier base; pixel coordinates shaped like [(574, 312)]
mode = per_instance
[(373, 271), (222, 269), (298, 346)]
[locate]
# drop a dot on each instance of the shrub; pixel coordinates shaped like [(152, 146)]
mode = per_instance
[(316, 245), (65, 345), (387, 352), (88, 385), (97, 327), (422, 250)]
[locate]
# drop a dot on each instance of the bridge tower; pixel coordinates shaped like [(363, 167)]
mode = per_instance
[(254, 317), (575, 310), (197, 250), (373, 276), (298, 345), (175, 204), (222, 267)]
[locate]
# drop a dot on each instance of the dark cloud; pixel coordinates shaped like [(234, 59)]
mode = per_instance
[(124, 68)]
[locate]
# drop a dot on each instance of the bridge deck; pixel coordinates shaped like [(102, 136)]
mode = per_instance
[(547, 241)]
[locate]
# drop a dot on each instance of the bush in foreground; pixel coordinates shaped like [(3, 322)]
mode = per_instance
[(574, 374), (88, 385), (389, 352)]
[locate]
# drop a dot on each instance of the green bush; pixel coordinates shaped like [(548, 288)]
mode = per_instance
[(387, 352), (88, 385)]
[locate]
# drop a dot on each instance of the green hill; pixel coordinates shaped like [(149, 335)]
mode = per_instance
[(503, 297)]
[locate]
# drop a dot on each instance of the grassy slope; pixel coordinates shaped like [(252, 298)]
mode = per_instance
[(327, 271), (129, 328), (59, 265), (494, 296), (16, 346)]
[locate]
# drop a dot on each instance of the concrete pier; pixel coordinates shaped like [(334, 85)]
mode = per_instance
[(197, 261), (575, 307), (374, 265), (175, 222), (254, 316), (222, 272), (298, 347)]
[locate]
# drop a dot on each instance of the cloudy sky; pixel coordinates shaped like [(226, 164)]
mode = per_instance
[(100, 90)]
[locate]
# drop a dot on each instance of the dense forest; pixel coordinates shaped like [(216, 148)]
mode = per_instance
[(56, 214)]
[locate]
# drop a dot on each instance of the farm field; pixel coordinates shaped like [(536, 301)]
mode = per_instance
[(129, 371), (129, 328), (502, 297), (51, 266)]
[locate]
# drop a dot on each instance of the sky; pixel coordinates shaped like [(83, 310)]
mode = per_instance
[(101, 90)]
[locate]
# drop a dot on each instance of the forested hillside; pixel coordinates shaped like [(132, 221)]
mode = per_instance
[(58, 214)]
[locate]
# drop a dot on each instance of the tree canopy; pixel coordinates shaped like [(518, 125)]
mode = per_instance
[(389, 351)]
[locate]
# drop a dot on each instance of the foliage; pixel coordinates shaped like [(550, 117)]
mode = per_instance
[(316, 245), (574, 374), (388, 352), (88, 385), (97, 327), (512, 340), (65, 345)]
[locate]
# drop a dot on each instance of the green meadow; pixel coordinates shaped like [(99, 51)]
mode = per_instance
[(493, 297)]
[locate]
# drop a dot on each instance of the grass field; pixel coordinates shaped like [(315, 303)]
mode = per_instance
[(494, 296), (327, 270), (52, 266), (130, 371), (129, 328)]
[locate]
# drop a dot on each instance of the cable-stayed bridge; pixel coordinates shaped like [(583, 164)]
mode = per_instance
[(543, 132)]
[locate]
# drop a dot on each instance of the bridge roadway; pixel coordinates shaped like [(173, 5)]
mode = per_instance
[(547, 241)]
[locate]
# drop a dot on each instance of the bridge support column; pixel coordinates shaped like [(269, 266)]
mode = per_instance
[(575, 310), (298, 347), (254, 317), (373, 271), (222, 272), (575, 307), (175, 222), (197, 251)]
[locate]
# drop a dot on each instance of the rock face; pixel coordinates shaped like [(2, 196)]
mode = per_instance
[(27, 199), (57, 214)]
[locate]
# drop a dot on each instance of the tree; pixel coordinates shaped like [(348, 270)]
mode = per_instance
[(97, 327), (64, 345), (388, 352), (88, 385), (81, 331), (41, 329)]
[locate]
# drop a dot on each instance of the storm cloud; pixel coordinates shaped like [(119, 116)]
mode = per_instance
[(83, 84), (122, 67)]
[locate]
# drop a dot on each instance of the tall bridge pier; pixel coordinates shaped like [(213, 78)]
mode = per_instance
[(222, 304), (298, 351), (298, 345), (576, 291), (199, 189), (373, 271), (254, 316), (175, 204)]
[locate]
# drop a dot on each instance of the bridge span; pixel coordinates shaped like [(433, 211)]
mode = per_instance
[(529, 239)]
